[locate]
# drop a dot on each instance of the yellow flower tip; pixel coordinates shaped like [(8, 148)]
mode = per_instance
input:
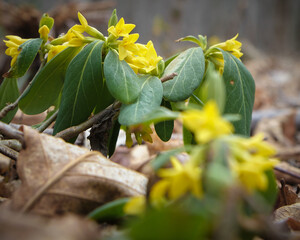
[(44, 31), (135, 206), (82, 20), (121, 29)]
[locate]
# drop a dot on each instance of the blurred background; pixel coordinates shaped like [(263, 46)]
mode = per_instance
[(272, 26)]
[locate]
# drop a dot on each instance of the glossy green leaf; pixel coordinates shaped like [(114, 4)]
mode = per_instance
[(121, 80), (161, 114), (165, 128), (190, 67), (109, 211), (82, 87), (149, 99), (240, 90), (29, 50), (9, 93), (105, 100), (47, 84)]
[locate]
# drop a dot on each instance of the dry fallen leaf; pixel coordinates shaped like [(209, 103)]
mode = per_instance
[(289, 214), (58, 177), (29, 227)]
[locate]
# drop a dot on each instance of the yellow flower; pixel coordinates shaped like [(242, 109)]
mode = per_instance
[(55, 50), (126, 46), (144, 59), (44, 31), (206, 124), (121, 29), (251, 173), (250, 159), (13, 45), (176, 182), (232, 45), (135, 206)]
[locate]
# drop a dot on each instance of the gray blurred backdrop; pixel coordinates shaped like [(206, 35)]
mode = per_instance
[(272, 26)]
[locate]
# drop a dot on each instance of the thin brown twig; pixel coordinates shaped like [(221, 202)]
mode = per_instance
[(10, 132), (168, 77), (8, 152), (73, 131), (48, 122), (287, 172)]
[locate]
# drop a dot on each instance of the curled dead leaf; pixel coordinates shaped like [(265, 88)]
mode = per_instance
[(58, 177)]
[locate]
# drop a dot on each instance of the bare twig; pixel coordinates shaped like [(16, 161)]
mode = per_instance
[(48, 122), (168, 77), (73, 131), (12, 143), (10, 132), (8, 152), (295, 175)]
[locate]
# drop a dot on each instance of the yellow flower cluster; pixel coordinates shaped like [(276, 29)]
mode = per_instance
[(206, 124), (232, 46), (141, 58), (13, 45), (248, 160), (176, 182), (74, 37)]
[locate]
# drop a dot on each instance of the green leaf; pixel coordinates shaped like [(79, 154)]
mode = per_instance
[(240, 89), (121, 80), (164, 157), (190, 67), (29, 50), (109, 211), (9, 93), (190, 38), (105, 100), (149, 99), (47, 84), (82, 87), (165, 128), (161, 114)]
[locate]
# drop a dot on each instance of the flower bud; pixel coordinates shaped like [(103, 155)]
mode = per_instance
[(113, 19), (46, 20)]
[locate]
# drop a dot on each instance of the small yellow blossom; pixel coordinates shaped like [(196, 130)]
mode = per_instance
[(206, 124), (135, 206), (13, 45), (251, 173), (250, 159), (232, 45), (121, 29), (55, 50), (176, 182), (145, 59), (44, 31), (126, 46)]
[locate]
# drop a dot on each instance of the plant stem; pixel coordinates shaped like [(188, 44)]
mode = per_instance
[(12, 106), (47, 122), (73, 131), (168, 77), (197, 100)]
